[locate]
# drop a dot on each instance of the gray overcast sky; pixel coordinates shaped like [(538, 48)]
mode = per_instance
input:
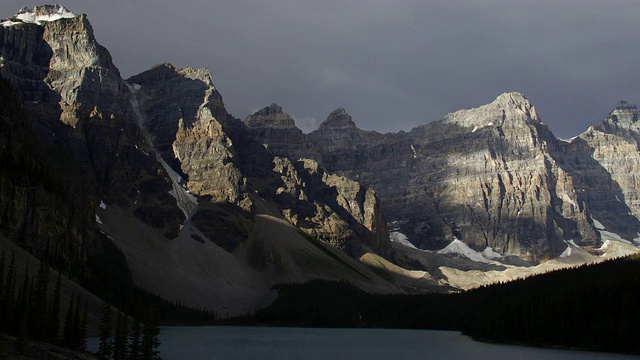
[(393, 64)]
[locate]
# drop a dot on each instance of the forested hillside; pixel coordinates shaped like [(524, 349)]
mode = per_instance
[(590, 307)]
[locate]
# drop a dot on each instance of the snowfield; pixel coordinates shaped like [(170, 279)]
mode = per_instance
[(457, 247), (401, 238), (30, 17)]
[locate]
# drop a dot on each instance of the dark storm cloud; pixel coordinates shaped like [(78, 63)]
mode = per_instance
[(392, 64)]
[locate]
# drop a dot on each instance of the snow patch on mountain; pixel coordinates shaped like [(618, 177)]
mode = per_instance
[(457, 247), (598, 224), (490, 254), (401, 238), (568, 140), (566, 253), (608, 235), (39, 15)]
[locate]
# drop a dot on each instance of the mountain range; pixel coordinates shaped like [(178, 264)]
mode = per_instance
[(212, 211)]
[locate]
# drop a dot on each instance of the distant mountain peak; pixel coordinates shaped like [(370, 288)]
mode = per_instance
[(513, 97), (272, 109), (512, 107), (39, 15), (338, 118), (270, 116), (624, 112)]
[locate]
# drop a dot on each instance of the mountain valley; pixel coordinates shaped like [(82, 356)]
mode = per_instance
[(212, 212)]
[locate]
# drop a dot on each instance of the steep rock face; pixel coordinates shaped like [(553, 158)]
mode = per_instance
[(491, 180), (186, 119), (605, 162), (77, 103), (343, 147), (204, 152), (277, 130), (330, 207), (223, 163), (50, 215), (485, 176), (168, 95)]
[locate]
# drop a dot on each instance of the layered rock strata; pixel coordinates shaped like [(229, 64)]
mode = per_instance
[(222, 162), (487, 176), (78, 104)]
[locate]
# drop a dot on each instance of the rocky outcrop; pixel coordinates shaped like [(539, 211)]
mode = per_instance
[(343, 147), (277, 131), (331, 208), (168, 95), (51, 214), (486, 176), (604, 162), (223, 163), (489, 180), (205, 155), (78, 105), (186, 119)]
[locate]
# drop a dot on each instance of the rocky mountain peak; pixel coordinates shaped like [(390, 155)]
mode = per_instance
[(270, 116), (272, 109), (511, 108), (39, 15), (203, 74), (624, 112), (338, 118), (513, 97)]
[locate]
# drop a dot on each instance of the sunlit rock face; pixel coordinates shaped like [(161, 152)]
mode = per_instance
[(224, 160), (84, 137), (492, 176), (277, 131), (605, 164)]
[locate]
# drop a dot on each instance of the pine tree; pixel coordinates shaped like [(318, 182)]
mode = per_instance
[(67, 331), (104, 344), (21, 309), (121, 337), (2, 310), (76, 341), (38, 312), (1, 277), (150, 336), (53, 315), (134, 340), (7, 301), (83, 329)]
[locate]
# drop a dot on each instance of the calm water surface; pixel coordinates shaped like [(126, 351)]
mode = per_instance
[(232, 343)]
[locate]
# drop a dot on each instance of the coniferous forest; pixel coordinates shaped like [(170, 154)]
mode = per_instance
[(31, 308), (591, 307)]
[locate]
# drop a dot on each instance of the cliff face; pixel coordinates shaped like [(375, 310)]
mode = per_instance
[(493, 176), (604, 162), (79, 107), (280, 134), (223, 163), (50, 215), (331, 208), (490, 181), (158, 165)]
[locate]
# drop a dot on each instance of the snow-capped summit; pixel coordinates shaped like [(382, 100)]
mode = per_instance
[(457, 247), (39, 14)]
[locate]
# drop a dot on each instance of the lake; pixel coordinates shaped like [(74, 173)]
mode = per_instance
[(265, 343)]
